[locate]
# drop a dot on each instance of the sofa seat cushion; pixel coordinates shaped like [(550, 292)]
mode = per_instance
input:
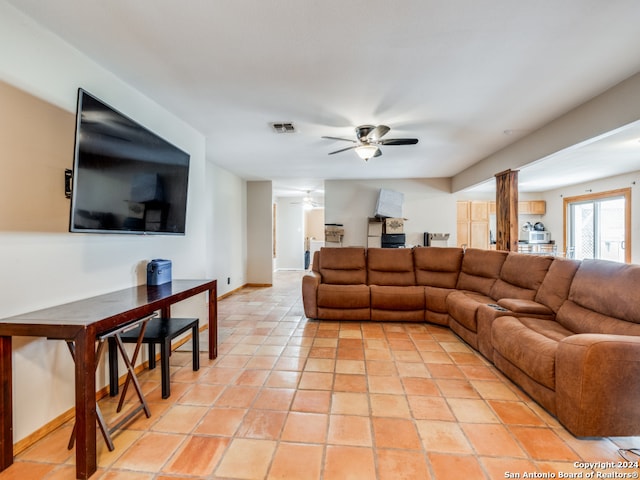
[(463, 307), (343, 296), (397, 298), (436, 298), (548, 328), (530, 345), (525, 307)]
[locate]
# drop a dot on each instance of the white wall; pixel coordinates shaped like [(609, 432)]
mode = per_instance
[(227, 229), (40, 269), (289, 233), (553, 219), (428, 206)]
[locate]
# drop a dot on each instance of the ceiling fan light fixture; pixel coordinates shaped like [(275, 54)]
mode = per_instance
[(365, 152)]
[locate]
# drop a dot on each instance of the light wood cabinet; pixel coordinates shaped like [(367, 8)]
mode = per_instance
[(463, 212), (473, 219), (479, 211), (479, 236), (532, 207), (538, 207), (526, 207), (463, 234), (463, 217), (473, 224)]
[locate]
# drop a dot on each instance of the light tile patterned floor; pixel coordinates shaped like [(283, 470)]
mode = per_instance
[(292, 398)]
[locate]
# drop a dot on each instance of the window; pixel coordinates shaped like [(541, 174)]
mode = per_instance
[(599, 226)]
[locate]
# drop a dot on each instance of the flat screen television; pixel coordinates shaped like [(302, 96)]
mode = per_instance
[(126, 179)]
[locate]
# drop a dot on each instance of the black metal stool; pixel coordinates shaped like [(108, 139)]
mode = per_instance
[(115, 336), (162, 331)]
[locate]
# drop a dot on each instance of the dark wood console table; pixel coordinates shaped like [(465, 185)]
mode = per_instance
[(82, 321)]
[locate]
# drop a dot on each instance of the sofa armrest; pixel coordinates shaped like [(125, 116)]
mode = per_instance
[(598, 384), (487, 314), (310, 282), (530, 308)]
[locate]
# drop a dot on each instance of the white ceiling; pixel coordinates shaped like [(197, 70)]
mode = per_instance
[(456, 74)]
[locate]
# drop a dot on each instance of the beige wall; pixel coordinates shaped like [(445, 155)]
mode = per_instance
[(259, 233), (314, 224), (37, 146)]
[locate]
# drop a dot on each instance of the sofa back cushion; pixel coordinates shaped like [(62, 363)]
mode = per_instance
[(521, 276), (390, 266), (343, 266), (480, 270), (604, 298), (437, 266), (555, 286)]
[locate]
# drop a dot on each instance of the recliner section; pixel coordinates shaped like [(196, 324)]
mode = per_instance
[(566, 331)]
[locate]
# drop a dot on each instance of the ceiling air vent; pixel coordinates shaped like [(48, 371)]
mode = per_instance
[(283, 127)]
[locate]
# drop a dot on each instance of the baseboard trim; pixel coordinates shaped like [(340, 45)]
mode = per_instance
[(42, 432), (246, 285), (228, 294)]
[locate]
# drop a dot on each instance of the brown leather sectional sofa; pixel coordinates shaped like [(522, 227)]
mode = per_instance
[(567, 332)]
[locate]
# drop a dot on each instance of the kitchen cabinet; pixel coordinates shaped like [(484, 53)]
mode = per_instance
[(538, 207), (525, 207), (532, 207), (473, 219), (479, 211), (463, 217), (473, 224)]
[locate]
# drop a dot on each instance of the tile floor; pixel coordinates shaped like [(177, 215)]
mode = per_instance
[(292, 398)]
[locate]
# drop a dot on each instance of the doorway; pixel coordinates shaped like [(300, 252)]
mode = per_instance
[(599, 226)]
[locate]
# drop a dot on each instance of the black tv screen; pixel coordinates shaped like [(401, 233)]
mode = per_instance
[(126, 179)]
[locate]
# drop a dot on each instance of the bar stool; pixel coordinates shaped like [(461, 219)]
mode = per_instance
[(162, 331), (115, 336)]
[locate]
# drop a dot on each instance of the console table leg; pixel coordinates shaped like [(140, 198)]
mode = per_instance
[(86, 461), (6, 407)]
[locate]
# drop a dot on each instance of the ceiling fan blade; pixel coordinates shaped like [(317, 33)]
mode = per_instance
[(399, 141), (342, 139), (377, 133), (343, 150), (378, 153)]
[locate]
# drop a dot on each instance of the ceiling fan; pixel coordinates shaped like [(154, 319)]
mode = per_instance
[(308, 202), (369, 139)]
